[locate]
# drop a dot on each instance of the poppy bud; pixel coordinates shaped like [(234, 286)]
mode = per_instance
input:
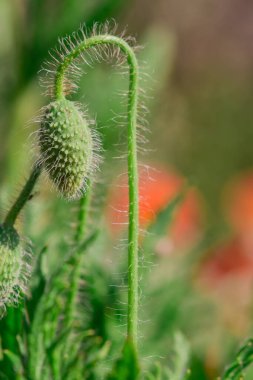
[(66, 147)]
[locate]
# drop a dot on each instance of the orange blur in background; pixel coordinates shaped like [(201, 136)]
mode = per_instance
[(157, 187)]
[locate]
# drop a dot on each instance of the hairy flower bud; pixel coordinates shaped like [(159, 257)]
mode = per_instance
[(14, 268), (66, 147)]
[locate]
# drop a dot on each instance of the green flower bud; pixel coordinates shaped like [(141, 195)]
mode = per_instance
[(66, 147), (14, 268)]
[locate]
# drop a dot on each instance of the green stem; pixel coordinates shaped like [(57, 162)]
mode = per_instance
[(24, 196), (132, 319), (83, 215), (77, 266)]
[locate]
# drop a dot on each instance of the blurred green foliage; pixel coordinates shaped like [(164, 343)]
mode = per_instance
[(189, 124)]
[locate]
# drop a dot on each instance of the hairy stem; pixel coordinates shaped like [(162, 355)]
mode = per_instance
[(83, 215), (79, 238), (24, 196), (77, 263), (132, 320)]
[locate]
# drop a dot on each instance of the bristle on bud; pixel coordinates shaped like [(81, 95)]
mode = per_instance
[(14, 268), (66, 147)]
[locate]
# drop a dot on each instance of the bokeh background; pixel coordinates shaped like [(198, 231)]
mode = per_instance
[(197, 58)]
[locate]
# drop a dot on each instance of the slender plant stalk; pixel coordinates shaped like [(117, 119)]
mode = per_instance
[(77, 264), (83, 215), (79, 237), (24, 196), (132, 320)]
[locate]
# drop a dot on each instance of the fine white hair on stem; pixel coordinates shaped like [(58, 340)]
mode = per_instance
[(99, 53), (69, 47)]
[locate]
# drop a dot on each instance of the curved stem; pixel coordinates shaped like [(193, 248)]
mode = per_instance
[(132, 320), (24, 196)]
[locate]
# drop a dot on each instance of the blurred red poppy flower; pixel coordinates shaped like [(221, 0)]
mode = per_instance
[(230, 259), (157, 187), (227, 276), (238, 201), (234, 258), (227, 271)]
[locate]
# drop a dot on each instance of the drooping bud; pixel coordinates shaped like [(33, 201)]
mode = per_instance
[(14, 268), (66, 147)]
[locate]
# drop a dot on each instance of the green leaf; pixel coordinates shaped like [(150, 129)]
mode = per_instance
[(243, 359), (165, 217), (127, 365), (179, 370), (159, 228), (156, 374), (38, 287), (16, 361)]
